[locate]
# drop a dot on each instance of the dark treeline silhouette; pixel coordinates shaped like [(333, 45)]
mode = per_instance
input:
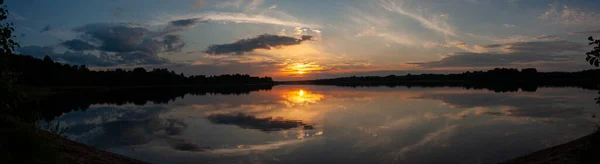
[(49, 107), (499, 80), (37, 72)]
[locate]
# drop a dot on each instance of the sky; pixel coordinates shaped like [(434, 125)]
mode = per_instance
[(309, 39)]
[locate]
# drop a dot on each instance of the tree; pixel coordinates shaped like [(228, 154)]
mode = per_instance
[(7, 44), (594, 55)]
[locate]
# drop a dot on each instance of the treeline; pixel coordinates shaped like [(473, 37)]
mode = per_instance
[(37, 72), (498, 79)]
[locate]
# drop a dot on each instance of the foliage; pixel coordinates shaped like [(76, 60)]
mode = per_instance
[(594, 55), (7, 44)]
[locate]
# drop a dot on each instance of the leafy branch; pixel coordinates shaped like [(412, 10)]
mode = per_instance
[(594, 56)]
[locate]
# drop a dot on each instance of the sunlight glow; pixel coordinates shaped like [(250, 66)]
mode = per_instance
[(300, 98), (301, 68)]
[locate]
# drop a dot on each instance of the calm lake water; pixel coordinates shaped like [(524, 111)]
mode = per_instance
[(328, 124)]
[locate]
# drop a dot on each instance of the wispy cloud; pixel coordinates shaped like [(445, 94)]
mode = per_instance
[(563, 14), (237, 18), (514, 54), (434, 23), (509, 25), (428, 138), (586, 32), (246, 4)]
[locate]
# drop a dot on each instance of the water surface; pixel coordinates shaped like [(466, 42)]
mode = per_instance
[(327, 124)]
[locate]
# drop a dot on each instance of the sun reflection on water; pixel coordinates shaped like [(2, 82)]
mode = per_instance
[(300, 98)]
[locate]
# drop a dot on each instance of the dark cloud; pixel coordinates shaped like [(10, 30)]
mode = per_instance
[(520, 52), (493, 45), (121, 44), (552, 47), (130, 38), (189, 147), (175, 127), (46, 29), (251, 122), (181, 25), (547, 37), (264, 41), (173, 43), (130, 127), (78, 45), (586, 32), (101, 59), (77, 58), (185, 22), (119, 37)]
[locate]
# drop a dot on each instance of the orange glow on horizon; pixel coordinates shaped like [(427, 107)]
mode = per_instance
[(301, 68)]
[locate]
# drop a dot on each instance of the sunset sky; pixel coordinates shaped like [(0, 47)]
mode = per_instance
[(292, 40)]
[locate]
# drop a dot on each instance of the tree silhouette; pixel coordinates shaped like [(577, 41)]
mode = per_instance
[(594, 55), (8, 96)]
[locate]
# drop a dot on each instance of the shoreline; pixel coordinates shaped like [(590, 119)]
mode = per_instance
[(81, 153), (581, 150)]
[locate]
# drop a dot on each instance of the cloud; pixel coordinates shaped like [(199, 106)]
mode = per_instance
[(493, 45), (586, 32), (16, 16), (173, 43), (399, 38), (563, 14), (101, 59), (230, 3), (516, 53), (435, 24), (184, 22), (264, 41), (515, 105), (120, 44), (179, 25), (428, 138), (251, 122), (239, 18), (254, 4), (509, 25), (521, 38), (249, 4), (273, 7), (46, 29), (78, 45), (189, 147)]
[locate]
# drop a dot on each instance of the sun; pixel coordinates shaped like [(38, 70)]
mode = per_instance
[(301, 68)]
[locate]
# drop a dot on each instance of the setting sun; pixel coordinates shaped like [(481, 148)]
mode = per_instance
[(301, 68)]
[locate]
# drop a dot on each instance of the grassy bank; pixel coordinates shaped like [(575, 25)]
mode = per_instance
[(26, 143), (583, 150)]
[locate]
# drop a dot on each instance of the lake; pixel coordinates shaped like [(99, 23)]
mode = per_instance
[(328, 124)]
